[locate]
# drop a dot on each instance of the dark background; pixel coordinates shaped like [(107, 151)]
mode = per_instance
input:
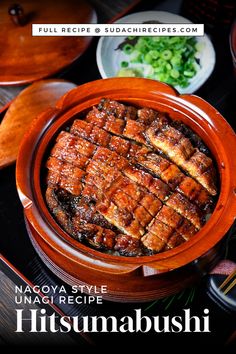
[(220, 91)]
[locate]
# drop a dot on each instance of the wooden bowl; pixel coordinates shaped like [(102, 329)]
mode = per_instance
[(127, 278)]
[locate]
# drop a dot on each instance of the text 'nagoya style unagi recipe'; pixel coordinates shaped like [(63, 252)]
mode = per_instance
[(130, 181)]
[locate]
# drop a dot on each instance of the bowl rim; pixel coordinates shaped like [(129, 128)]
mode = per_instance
[(77, 100)]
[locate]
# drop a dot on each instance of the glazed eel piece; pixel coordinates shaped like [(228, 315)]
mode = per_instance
[(102, 155), (160, 134), (124, 205), (94, 234), (176, 179), (64, 175), (91, 231), (129, 128), (118, 198), (175, 200), (154, 185), (122, 187), (73, 211), (141, 155), (96, 135), (180, 150)]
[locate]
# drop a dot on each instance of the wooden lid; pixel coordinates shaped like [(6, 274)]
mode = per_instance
[(24, 58)]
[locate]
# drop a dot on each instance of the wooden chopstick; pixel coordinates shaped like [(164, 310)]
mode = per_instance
[(231, 285), (226, 282)]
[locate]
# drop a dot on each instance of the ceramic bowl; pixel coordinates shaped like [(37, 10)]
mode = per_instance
[(109, 58)]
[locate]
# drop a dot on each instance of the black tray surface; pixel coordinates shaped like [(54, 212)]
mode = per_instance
[(15, 246)]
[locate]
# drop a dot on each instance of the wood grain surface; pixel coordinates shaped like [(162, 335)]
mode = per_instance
[(29, 103), (7, 94), (26, 58)]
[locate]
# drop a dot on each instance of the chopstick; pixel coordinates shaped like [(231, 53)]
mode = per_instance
[(227, 282), (230, 287)]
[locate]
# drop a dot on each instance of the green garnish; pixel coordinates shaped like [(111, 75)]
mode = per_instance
[(124, 64), (128, 48), (169, 59)]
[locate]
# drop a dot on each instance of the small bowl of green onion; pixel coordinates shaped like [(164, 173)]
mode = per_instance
[(184, 62)]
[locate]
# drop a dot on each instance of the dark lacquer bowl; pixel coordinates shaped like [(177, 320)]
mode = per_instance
[(127, 278)]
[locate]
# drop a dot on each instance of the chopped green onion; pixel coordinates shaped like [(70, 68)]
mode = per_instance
[(148, 58), (166, 54), (174, 73), (189, 73), (128, 48), (154, 54), (124, 64), (168, 66), (173, 60)]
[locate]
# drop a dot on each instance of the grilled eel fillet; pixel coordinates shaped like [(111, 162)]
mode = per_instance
[(140, 155), (155, 128), (108, 187)]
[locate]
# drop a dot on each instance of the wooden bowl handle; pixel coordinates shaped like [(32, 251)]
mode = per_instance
[(23, 164), (16, 13), (149, 270)]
